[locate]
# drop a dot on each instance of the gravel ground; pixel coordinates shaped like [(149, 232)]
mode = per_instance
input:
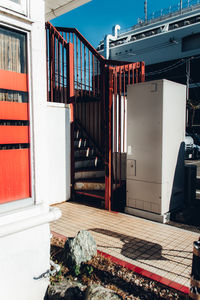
[(124, 282)]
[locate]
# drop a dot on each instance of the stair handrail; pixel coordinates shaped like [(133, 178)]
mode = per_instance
[(91, 48), (49, 26)]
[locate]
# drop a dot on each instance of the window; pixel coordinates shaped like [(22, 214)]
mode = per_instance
[(13, 58), (14, 117), (15, 5)]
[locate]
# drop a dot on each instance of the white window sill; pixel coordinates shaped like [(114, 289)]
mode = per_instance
[(27, 218)]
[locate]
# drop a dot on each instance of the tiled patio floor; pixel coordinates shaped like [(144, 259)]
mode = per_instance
[(158, 248)]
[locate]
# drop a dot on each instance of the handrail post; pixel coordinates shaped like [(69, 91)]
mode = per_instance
[(70, 73), (108, 139), (71, 100), (52, 65), (142, 72)]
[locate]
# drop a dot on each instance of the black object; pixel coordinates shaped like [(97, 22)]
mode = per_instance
[(195, 275), (190, 184)]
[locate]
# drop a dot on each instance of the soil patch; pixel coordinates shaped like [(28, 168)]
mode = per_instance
[(124, 282)]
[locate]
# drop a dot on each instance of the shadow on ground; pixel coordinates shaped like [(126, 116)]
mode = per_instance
[(133, 248)]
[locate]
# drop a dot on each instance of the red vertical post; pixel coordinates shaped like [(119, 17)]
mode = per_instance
[(81, 68), (59, 73), (108, 142), (47, 61), (70, 93), (52, 64), (124, 110), (115, 125), (85, 70), (93, 76), (128, 74), (120, 123), (133, 74), (63, 72), (136, 74), (142, 74), (70, 72), (89, 69), (97, 77), (77, 63)]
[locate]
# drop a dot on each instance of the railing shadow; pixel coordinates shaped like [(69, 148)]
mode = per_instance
[(146, 252), (131, 245)]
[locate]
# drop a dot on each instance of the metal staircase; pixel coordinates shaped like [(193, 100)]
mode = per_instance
[(89, 173), (95, 88)]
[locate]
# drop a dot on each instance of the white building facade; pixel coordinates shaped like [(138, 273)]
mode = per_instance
[(34, 148)]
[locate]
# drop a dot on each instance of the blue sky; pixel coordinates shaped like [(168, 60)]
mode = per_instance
[(96, 18)]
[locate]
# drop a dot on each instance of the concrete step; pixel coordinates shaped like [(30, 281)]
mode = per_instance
[(89, 173), (87, 162), (84, 152), (86, 185)]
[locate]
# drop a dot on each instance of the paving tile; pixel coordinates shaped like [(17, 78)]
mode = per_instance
[(163, 250)]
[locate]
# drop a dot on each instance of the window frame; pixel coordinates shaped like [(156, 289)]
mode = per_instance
[(7, 208), (20, 8)]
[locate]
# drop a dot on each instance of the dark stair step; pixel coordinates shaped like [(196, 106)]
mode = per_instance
[(198, 182), (92, 172), (79, 142), (93, 179), (91, 184), (84, 152), (93, 194), (87, 162)]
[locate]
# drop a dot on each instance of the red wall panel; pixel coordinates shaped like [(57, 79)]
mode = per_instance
[(13, 81), (14, 175), (14, 134), (13, 111)]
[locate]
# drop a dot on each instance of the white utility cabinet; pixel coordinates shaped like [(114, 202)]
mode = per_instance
[(155, 148)]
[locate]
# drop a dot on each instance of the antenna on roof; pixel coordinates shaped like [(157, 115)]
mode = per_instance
[(145, 9), (181, 5)]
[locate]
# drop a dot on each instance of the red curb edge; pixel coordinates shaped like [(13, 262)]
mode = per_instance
[(137, 270)]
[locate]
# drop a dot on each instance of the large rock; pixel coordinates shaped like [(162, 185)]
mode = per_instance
[(66, 290), (98, 292), (80, 249)]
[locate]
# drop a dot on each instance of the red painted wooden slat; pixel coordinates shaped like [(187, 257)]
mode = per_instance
[(13, 81), (14, 175), (13, 111), (14, 134)]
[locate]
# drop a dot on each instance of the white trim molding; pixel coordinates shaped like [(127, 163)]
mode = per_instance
[(42, 217), (20, 7)]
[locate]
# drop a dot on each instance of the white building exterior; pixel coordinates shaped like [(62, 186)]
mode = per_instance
[(24, 222)]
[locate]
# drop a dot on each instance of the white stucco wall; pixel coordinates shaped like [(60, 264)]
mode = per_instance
[(24, 256), (58, 136), (24, 225)]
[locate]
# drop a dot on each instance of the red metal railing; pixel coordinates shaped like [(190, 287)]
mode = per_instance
[(97, 89), (87, 63), (116, 119)]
